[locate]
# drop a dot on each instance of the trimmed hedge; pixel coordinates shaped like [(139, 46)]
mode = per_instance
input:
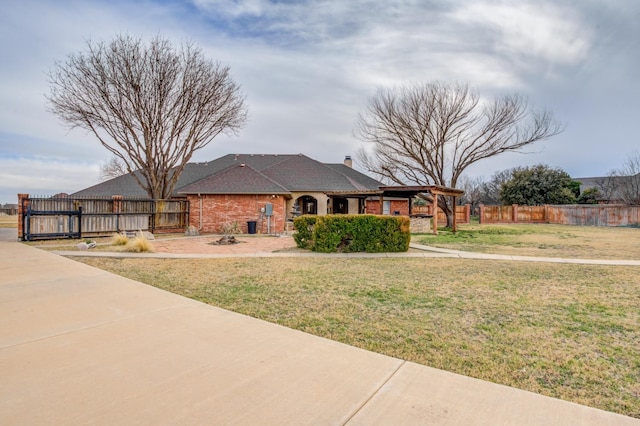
[(352, 233), (304, 226)]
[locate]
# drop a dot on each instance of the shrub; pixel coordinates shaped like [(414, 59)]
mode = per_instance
[(304, 226), (139, 245), (120, 239), (354, 233), (230, 228)]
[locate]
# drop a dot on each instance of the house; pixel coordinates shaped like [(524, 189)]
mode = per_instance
[(270, 190), (9, 209), (613, 189)]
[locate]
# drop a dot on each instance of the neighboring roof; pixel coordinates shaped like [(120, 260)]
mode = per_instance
[(589, 182), (263, 173)]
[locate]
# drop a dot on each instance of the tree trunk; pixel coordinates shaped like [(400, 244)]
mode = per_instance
[(444, 205)]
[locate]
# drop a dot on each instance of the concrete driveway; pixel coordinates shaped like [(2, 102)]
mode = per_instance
[(8, 234), (79, 345)]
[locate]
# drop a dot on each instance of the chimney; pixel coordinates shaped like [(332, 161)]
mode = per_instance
[(347, 161)]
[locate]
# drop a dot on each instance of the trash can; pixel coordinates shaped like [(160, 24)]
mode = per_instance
[(251, 226)]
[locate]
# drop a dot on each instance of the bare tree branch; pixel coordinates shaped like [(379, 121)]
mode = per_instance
[(431, 133), (627, 179), (152, 106), (112, 168)]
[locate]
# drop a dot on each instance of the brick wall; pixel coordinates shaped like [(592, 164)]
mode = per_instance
[(420, 225), (218, 210), (402, 206)]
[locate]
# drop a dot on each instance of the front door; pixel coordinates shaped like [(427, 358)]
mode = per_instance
[(340, 205), (308, 205)]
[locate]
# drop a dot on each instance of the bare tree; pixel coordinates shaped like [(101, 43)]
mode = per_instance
[(607, 186), (112, 168), (152, 106), (492, 188), (473, 191), (431, 133), (628, 179)]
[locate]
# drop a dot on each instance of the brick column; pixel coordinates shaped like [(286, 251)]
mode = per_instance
[(481, 212), (20, 213), (514, 213)]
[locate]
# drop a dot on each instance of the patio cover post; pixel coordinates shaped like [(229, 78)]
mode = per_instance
[(434, 219), (455, 228)]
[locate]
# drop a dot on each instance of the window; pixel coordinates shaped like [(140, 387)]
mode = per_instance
[(386, 207)]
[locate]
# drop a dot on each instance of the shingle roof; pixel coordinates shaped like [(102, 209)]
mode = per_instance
[(358, 179), (236, 179), (124, 185), (301, 173), (263, 173)]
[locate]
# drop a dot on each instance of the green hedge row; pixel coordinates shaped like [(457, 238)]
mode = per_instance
[(352, 233)]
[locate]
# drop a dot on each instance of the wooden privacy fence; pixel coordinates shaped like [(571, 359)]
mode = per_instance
[(571, 214), (463, 213), (69, 217)]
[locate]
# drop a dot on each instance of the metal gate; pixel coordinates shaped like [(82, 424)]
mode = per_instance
[(71, 217), (51, 223)]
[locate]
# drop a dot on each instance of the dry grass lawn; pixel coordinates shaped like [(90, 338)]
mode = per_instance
[(7, 221), (567, 331), (541, 240)]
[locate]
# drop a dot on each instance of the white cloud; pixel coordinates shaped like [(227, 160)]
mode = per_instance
[(540, 31), (43, 176), (308, 67)]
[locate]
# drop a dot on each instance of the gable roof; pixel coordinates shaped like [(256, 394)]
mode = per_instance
[(301, 173), (124, 185), (261, 174), (235, 179)]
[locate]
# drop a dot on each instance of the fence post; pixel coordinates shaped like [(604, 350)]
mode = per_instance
[(481, 217), (545, 219), (79, 222), (152, 224), (514, 213), (117, 208), (467, 213)]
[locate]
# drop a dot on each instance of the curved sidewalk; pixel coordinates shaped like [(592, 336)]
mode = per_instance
[(80, 345), (425, 251)]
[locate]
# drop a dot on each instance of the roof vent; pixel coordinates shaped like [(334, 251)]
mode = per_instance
[(242, 164)]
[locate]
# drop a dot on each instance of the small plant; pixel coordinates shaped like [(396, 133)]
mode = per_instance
[(139, 245), (230, 228), (120, 239)]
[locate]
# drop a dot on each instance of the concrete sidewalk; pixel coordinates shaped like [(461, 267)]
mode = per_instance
[(424, 252), (79, 345)]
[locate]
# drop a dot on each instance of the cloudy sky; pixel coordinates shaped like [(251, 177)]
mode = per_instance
[(308, 67)]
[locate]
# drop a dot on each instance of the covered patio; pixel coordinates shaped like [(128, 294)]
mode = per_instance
[(408, 192)]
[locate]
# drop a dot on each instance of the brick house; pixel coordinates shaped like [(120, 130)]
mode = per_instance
[(270, 190), (267, 189)]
